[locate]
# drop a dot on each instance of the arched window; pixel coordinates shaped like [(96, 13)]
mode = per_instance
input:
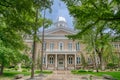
[(44, 46), (51, 46), (89, 60), (70, 46), (77, 46), (70, 60), (61, 46), (44, 60), (78, 60), (51, 59)]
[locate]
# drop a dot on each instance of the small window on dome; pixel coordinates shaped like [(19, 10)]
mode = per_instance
[(60, 25)]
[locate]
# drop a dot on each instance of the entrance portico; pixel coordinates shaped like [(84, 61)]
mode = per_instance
[(60, 61)]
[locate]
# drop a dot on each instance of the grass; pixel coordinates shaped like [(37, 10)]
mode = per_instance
[(115, 75), (9, 75)]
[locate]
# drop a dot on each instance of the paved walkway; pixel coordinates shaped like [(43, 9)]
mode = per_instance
[(65, 75)]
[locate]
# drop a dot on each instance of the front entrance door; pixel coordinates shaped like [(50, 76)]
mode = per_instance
[(60, 61)]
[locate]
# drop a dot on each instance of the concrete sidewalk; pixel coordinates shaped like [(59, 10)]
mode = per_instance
[(64, 75)]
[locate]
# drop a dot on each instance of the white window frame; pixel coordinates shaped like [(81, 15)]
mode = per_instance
[(61, 48), (44, 46), (70, 59), (70, 46), (78, 60), (51, 46), (51, 59), (44, 60), (77, 46)]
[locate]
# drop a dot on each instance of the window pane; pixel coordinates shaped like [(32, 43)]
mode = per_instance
[(77, 46), (51, 46), (44, 45), (78, 60), (61, 46), (69, 46)]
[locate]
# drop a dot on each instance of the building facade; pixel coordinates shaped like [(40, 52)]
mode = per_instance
[(60, 53)]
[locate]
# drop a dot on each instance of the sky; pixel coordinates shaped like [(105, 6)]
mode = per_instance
[(59, 8)]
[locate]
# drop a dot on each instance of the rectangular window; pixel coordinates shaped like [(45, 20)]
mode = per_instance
[(78, 60), (77, 46), (44, 46), (70, 60), (61, 46), (70, 46), (51, 46), (89, 61), (43, 60), (51, 59)]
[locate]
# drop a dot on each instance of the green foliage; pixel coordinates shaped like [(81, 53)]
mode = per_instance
[(24, 70), (113, 74), (9, 56), (83, 60), (45, 71), (82, 70), (97, 22), (18, 17), (111, 65), (89, 14), (11, 74)]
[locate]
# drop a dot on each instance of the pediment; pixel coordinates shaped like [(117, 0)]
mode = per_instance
[(60, 32)]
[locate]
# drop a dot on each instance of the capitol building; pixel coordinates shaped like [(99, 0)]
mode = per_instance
[(61, 53)]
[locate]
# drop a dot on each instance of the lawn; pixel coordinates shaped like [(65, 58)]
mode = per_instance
[(115, 75), (9, 75)]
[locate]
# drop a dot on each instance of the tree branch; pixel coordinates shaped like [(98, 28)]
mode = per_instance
[(110, 19)]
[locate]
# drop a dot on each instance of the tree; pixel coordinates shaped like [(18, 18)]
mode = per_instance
[(101, 16), (9, 56), (88, 13), (40, 5), (18, 17)]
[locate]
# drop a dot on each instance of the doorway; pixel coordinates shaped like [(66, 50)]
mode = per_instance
[(61, 62)]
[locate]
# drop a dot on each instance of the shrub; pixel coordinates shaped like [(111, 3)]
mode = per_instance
[(16, 67), (82, 70), (11, 67), (90, 71), (111, 65), (45, 71), (73, 70), (24, 70)]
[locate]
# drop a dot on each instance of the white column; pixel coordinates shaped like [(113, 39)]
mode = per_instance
[(75, 60), (66, 61), (56, 62), (46, 60)]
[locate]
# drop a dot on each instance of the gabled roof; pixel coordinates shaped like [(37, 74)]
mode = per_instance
[(60, 28), (60, 31)]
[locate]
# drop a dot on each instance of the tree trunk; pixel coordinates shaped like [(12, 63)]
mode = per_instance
[(96, 63), (34, 45), (33, 57), (100, 57), (102, 65), (1, 69)]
